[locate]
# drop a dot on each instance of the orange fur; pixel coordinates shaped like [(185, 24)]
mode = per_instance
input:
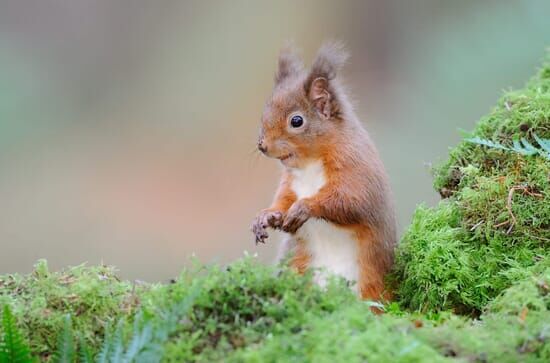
[(373, 263), (284, 197), (356, 193), (301, 258)]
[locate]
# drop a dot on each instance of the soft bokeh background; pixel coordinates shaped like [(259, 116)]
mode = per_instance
[(127, 127)]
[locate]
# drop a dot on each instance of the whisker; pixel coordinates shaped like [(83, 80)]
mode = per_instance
[(254, 150), (253, 157)]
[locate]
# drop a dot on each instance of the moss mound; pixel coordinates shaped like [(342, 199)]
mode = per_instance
[(493, 228), (252, 313), (472, 279), (93, 295)]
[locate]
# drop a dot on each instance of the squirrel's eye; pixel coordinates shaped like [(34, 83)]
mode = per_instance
[(296, 121)]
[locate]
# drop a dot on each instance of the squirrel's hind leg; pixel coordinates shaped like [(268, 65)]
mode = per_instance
[(374, 262), (300, 258), (292, 251)]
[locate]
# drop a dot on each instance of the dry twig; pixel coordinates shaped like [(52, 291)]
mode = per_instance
[(526, 190)]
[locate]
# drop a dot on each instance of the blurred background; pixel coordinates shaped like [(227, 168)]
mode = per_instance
[(128, 128)]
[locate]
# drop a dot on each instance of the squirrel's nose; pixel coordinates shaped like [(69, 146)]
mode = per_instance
[(262, 147)]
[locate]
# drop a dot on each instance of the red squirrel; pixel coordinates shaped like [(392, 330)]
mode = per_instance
[(334, 199)]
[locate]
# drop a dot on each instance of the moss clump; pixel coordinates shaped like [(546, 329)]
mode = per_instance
[(239, 306), (234, 307), (94, 296), (493, 229), (515, 329)]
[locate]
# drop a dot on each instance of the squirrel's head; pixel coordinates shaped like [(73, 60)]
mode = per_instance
[(305, 110)]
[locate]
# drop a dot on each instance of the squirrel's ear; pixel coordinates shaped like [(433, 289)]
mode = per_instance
[(330, 58), (290, 63), (320, 96)]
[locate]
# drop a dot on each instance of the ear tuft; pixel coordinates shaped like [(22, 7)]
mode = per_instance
[(290, 63), (330, 58)]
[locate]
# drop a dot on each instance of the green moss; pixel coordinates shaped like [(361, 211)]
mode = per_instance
[(351, 334), (254, 313), (514, 328), (238, 306), (94, 296), (436, 259), (235, 307), (494, 226)]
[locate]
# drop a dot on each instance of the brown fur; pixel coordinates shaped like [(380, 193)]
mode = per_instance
[(356, 194), (300, 258)]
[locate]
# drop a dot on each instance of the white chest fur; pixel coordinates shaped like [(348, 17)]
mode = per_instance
[(306, 182), (332, 248)]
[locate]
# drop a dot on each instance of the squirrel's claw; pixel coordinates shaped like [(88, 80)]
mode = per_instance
[(265, 219), (259, 231), (260, 240), (261, 237)]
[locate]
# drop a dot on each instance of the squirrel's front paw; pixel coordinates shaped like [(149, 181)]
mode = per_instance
[(296, 216), (266, 218)]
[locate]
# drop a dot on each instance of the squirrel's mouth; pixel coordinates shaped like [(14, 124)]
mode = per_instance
[(285, 157)]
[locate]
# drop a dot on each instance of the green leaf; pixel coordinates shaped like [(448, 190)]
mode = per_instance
[(544, 144), (140, 338), (148, 338), (117, 347), (13, 348), (528, 148), (522, 146), (485, 142), (103, 356), (85, 355), (66, 352)]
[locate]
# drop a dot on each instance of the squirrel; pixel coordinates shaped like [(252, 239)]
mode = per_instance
[(334, 199)]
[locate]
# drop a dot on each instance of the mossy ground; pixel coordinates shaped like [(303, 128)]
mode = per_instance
[(493, 227), (472, 278), (252, 313)]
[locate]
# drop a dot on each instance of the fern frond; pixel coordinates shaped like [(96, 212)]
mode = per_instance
[(117, 347), (524, 147), (65, 352), (140, 338), (148, 338), (103, 356), (521, 146), (113, 345), (544, 144), (489, 143), (13, 348), (85, 355), (148, 341)]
